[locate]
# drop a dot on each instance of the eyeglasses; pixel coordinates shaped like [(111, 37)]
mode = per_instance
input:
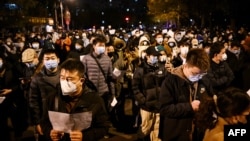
[(203, 74), (199, 74)]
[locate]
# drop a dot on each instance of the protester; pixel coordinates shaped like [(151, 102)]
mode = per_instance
[(74, 97), (10, 50), (13, 104), (78, 51), (219, 73), (229, 107), (124, 52), (99, 70), (179, 97), (62, 45), (235, 60), (26, 68), (146, 84), (180, 59), (43, 84)]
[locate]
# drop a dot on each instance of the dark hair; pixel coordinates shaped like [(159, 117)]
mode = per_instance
[(99, 38), (158, 34), (184, 42), (49, 51), (235, 43), (230, 102), (215, 49), (73, 65), (198, 57)]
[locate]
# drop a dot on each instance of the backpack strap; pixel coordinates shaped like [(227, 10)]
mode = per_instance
[(99, 65)]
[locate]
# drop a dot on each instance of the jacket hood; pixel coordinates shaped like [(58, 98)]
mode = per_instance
[(179, 72)]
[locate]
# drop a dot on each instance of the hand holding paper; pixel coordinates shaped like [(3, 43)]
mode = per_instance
[(75, 135), (56, 135), (70, 122), (117, 72), (114, 102), (248, 92)]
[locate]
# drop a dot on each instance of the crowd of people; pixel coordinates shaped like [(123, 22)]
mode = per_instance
[(170, 76)]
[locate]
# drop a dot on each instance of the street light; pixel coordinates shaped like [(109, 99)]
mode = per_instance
[(67, 17), (56, 22), (61, 7)]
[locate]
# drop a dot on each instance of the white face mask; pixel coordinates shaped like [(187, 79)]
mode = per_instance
[(215, 39), (143, 54), (84, 36), (78, 47), (195, 78), (1, 64), (207, 50), (153, 60), (8, 43), (194, 46), (21, 44), (224, 57), (68, 87), (184, 50), (35, 45), (163, 58), (100, 50)]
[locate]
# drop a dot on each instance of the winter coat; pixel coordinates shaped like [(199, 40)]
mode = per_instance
[(220, 75), (76, 54), (42, 85), (177, 61), (146, 86), (217, 133), (237, 66), (95, 75), (175, 105), (14, 105), (24, 74), (88, 101)]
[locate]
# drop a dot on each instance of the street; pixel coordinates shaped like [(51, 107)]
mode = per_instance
[(114, 136)]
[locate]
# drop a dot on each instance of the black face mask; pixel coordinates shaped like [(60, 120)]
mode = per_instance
[(111, 54)]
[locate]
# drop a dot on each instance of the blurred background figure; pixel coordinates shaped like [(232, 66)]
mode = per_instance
[(228, 107), (14, 105)]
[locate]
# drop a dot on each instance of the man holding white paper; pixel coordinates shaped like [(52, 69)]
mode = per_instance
[(75, 113)]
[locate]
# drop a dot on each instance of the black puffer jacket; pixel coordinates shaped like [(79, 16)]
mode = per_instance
[(146, 85), (220, 75), (177, 61)]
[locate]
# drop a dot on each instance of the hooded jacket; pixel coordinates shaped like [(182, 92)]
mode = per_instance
[(175, 104), (146, 86)]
